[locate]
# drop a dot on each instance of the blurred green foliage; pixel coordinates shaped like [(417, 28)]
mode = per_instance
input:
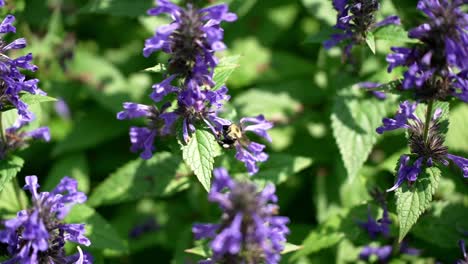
[(89, 54)]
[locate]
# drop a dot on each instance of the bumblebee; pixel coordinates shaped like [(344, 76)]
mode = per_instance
[(231, 134)]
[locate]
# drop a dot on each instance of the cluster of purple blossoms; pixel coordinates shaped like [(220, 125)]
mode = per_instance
[(12, 82), (16, 138), (356, 18), (37, 235), (427, 146), (382, 227), (250, 153), (250, 230), (191, 40), (438, 64)]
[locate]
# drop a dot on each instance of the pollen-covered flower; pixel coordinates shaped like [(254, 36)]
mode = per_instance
[(191, 40), (12, 82), (438, 65), (16, 137), (247, 151), (250, 230), (38, 234), (427, 146), (356, 18)]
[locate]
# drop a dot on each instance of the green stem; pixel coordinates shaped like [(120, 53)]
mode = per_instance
[(427, 124)]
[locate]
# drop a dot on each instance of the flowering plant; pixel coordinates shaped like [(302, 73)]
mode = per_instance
[(222, 132)]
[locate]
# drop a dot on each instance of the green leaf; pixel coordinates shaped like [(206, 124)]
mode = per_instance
[(118, 7), (98, 230), (336, 228), (354, 121), (159, 176), (370, 40), (12, 200), (9, 168), (30, 99), (394, 34), (321, 36), (73, 165), (324, 237), (412, 201), (443, 221), (160, 67), (225, 68), (239, 7), (456, 138), (288, 248), (253, 61), (278, 168), (84, 134), (202, 250), (199, 154), (321, 10), (104, 82), (275, 106)]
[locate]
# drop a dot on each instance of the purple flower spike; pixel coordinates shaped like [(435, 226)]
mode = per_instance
[(407, 171), (37, 235), (433, 64), (250, 229), (193, 35), (14, 82), (405, 113), (356, 19)]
